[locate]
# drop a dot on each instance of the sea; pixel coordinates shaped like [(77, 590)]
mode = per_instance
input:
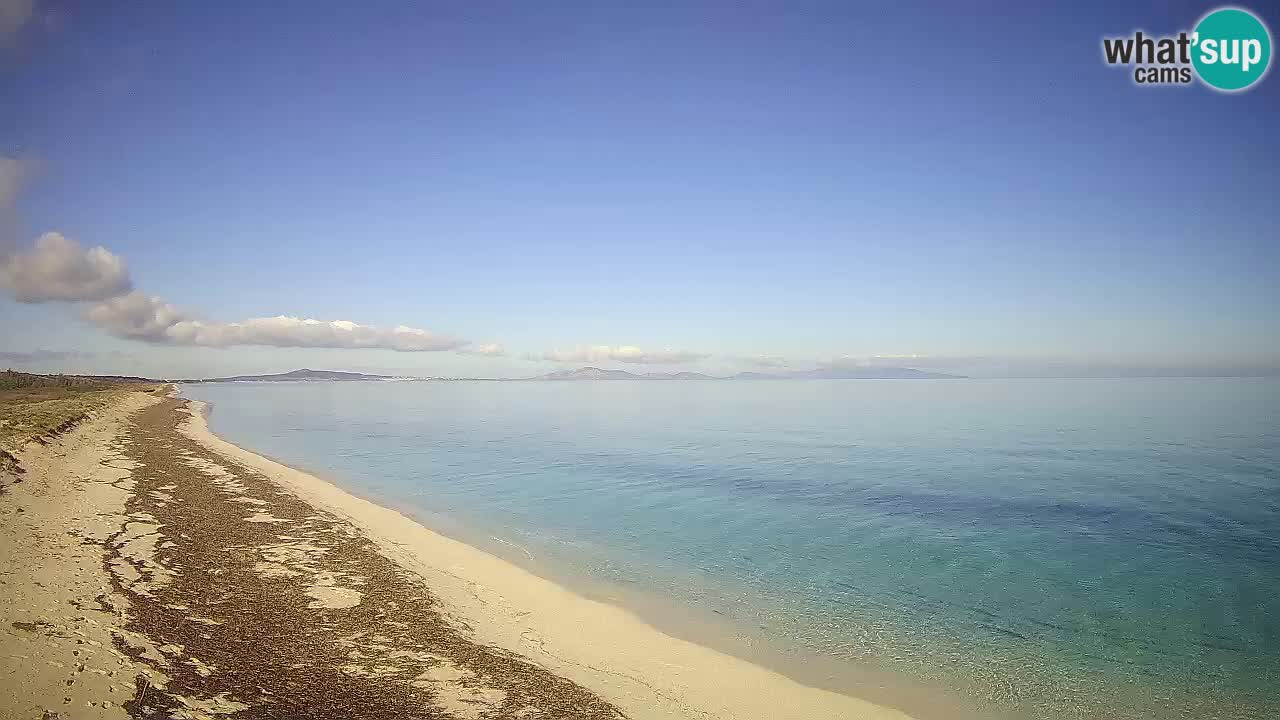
[(1010, 548)]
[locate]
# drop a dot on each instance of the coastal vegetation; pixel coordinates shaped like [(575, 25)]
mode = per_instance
[(38, 407)]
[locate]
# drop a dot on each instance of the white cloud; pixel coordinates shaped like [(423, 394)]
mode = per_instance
[(13, 15), (140, 317), (61, 269), (136, 316), (857, 361), (58, 269), (843, 361), (621, 353), (898, 359), (487, 349), (763, 361), (908, 360)]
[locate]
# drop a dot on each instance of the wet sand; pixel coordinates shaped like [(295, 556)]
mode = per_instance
[(218, 583)]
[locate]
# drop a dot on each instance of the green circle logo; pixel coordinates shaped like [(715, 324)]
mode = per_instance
[(1232, 49)]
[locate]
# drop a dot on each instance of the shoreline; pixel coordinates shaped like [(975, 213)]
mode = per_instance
[(606, 647), (152, 569), (699, 626)]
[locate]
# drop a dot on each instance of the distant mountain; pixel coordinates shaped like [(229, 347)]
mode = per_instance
[(595, 373), (877, 373), (680, 376), (868, 373), (304, 375), (589, 373), (750, 375)]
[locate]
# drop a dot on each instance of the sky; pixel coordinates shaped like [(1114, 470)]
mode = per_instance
[(504, 189)]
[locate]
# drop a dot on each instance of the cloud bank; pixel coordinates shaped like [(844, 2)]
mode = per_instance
[(61, 269), (38, 356), (137, 316), (912, 360), (486, 349), (762, 361), (621, 353), (58, 269)]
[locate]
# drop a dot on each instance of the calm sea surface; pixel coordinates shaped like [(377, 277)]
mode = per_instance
[(1033, 548)]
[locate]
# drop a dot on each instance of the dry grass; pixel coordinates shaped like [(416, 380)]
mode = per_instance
[(37, 407)]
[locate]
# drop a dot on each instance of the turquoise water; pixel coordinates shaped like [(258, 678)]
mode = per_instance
[(1033, 548)]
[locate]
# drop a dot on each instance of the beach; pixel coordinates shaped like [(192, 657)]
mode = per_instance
[(156, 570)]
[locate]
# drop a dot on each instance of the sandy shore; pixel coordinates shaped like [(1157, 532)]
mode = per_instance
[(647, 673), (62, 617), (155, 570)]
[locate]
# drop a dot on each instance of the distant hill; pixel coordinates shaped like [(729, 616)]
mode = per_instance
[(684, 376), (595, 373), (867, 373), (878, 373), (304, 375), (589, 373), (750, 375)]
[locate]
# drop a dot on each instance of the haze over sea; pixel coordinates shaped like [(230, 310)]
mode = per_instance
[(1083, 548)]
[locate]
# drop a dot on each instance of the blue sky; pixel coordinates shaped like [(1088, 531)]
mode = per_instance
[(726, 180)]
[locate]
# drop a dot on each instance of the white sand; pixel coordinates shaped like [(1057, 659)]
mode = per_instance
[(645, 672), (58, 612)]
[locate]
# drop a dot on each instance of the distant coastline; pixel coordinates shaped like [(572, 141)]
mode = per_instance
[(303, 375), (587, 374)]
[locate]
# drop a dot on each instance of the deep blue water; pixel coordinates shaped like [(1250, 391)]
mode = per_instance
[(1038, 548)]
